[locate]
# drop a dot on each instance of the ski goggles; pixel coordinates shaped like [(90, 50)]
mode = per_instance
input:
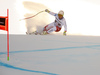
[(60, 15)]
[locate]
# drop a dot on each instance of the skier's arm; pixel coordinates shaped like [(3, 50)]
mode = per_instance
[(65, 28), (65, 25), (52, 13)]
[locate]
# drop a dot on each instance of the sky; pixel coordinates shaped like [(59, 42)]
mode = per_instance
[(82, 16)]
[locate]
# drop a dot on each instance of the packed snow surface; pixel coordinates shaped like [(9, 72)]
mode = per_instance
[(50, 55)]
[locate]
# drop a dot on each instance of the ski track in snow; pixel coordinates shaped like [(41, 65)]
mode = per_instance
[(22, 69)]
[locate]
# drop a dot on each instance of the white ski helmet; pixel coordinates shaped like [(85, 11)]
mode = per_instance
[(61, 12)]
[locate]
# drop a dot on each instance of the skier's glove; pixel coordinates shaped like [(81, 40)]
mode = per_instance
[(64, 33), (46, 10)]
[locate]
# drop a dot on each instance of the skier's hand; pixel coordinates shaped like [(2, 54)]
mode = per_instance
[(64, 33), (46, 10)]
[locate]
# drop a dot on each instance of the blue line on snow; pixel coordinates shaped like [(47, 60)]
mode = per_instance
[(40, 50), (13, 67)]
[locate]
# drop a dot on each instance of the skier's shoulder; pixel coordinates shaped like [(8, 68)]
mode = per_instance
[(63, 19)]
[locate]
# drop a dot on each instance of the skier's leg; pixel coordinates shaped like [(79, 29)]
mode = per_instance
[(44, 29), (49, 26), (54, 28), (57, 29), (51, 29)]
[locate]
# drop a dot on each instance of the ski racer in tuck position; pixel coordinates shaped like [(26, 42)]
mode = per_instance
[(57, 24)]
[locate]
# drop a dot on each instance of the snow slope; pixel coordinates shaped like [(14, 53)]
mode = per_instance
[(50, 55)]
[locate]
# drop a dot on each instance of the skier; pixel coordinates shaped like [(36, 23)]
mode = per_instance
[(57, 24)]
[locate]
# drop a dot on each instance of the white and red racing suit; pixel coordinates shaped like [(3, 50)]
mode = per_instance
[(56, 25)]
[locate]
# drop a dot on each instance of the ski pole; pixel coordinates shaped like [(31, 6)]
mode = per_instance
[(32, 16)]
